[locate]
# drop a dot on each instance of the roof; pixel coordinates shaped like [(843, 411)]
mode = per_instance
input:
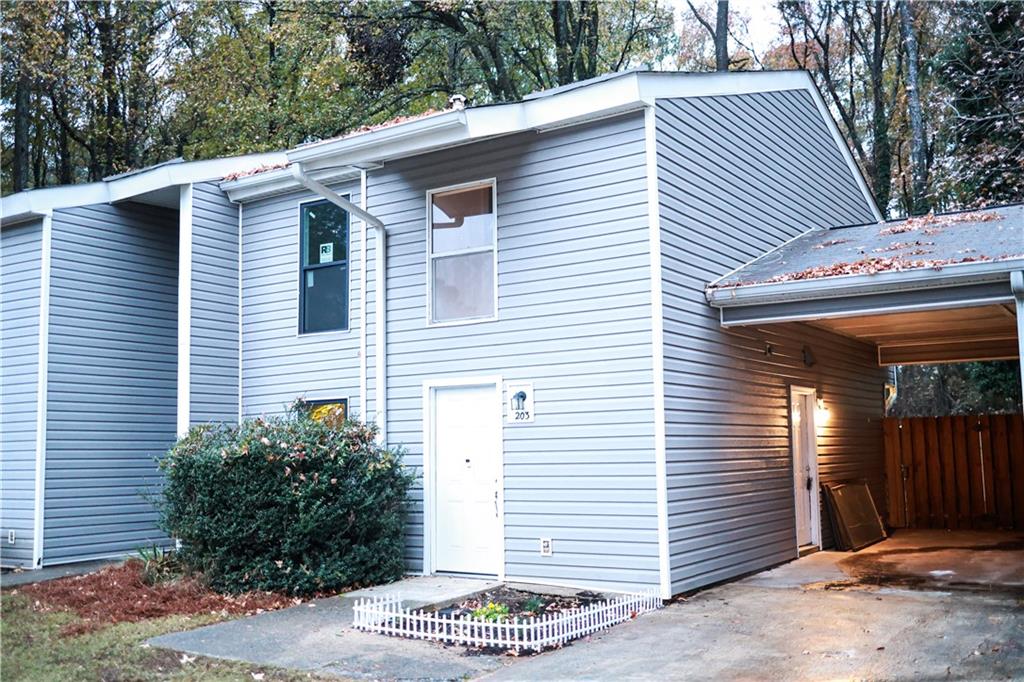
[(153, 185), (919, 243), (609, 95)]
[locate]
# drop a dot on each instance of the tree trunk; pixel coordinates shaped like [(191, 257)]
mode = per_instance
[(21, 118), (592, 40), (722, 37), (563, 41), (881, 152), (918, 142)]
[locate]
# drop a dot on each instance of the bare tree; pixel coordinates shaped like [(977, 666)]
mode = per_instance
[(719, 32), (918, 139)]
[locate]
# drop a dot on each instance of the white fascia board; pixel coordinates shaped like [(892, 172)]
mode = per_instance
[(667, 85), (35, 203), (38, 202), (403, 136), (188, 173), (281, 181), (856, 285)]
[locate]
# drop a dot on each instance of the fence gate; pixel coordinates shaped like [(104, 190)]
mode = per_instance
[(955, 472)]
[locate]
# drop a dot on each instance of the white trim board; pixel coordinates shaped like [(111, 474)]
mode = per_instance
[(184, 387), (429, 492), (130, 185), (812, 458), (657, 351), (42, 386)]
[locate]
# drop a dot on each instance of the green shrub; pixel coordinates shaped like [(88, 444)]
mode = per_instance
[(288, 503)]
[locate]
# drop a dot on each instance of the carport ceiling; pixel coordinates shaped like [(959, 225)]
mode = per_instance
[(977, 333)]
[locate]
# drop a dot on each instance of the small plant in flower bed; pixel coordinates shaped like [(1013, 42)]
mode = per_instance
[(491, 612), (505, 603), (289, 503)]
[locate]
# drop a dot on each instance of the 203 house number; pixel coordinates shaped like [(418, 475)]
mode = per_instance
[(520, 402)]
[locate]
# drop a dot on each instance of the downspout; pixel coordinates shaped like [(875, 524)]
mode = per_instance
[(380, 285), (1017, 287), (362, 299)]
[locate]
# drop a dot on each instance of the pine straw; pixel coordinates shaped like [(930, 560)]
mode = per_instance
[(118, 594)]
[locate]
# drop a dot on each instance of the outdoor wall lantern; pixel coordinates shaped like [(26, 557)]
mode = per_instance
[(821, 413)]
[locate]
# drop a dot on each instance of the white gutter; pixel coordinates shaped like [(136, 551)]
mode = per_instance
[(1017, 287), (380, 283), (839, 286)]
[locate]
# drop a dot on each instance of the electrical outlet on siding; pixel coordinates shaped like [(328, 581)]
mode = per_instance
[(546, 547), (12, 537)]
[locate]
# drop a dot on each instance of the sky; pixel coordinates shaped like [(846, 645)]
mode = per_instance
[(764, 23)]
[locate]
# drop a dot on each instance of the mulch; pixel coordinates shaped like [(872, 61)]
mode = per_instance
[(517, 602), (118, 594)]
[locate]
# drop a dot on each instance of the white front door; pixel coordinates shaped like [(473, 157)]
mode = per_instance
[(467, 472), (805, 466)]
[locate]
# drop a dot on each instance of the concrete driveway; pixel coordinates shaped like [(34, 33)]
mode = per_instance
[(923, 605)]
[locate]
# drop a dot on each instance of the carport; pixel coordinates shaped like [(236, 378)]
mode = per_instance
[(932, 289)]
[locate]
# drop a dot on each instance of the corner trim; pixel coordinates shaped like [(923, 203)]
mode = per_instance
[(184, 387), (42, 385), (657, 350)]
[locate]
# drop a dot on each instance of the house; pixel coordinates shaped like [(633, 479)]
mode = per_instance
[(518, 295)]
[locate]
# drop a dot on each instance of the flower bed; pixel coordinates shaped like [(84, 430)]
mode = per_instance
[(503, 619)]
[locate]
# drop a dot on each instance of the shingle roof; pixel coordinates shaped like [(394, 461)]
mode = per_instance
[(930, 241)]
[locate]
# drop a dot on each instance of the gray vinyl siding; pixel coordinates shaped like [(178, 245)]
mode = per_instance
[(739, 175), (574, 318), (278, 363), (20, 279), (214, 342), (112, 377)]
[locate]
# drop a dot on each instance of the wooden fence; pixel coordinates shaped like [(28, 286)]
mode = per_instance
[(955, 472)]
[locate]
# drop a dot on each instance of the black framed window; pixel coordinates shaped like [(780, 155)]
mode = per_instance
[(324, 267)]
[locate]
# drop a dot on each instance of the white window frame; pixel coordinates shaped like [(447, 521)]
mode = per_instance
[(493, 183), (298, 298)]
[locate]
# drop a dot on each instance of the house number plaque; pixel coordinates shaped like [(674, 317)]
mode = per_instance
[(519, 403)]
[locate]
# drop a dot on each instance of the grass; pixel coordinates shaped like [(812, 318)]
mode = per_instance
[(33, 648)]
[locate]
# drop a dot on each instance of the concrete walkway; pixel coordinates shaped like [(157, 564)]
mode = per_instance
[(318, 637), (16, 578)]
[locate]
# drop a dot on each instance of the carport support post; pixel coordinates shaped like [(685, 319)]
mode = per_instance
[(1017, 286)]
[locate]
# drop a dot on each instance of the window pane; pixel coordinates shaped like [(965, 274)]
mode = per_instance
[(462, 220), (324, 233), (463, 287), (325, 299)]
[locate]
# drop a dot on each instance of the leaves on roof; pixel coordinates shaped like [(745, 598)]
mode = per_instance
[(932, 223), (255, 171), (869, 266)]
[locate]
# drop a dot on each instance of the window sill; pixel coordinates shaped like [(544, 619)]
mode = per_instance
[(330, 332), (461, 323)]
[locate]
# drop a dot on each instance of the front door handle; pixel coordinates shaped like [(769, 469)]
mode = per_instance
[(495, 503)]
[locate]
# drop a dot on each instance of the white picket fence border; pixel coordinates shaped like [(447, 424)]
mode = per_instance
[(385, 614)]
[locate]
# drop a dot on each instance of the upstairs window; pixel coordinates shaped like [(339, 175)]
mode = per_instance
[(462, 254), (323, 271)]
